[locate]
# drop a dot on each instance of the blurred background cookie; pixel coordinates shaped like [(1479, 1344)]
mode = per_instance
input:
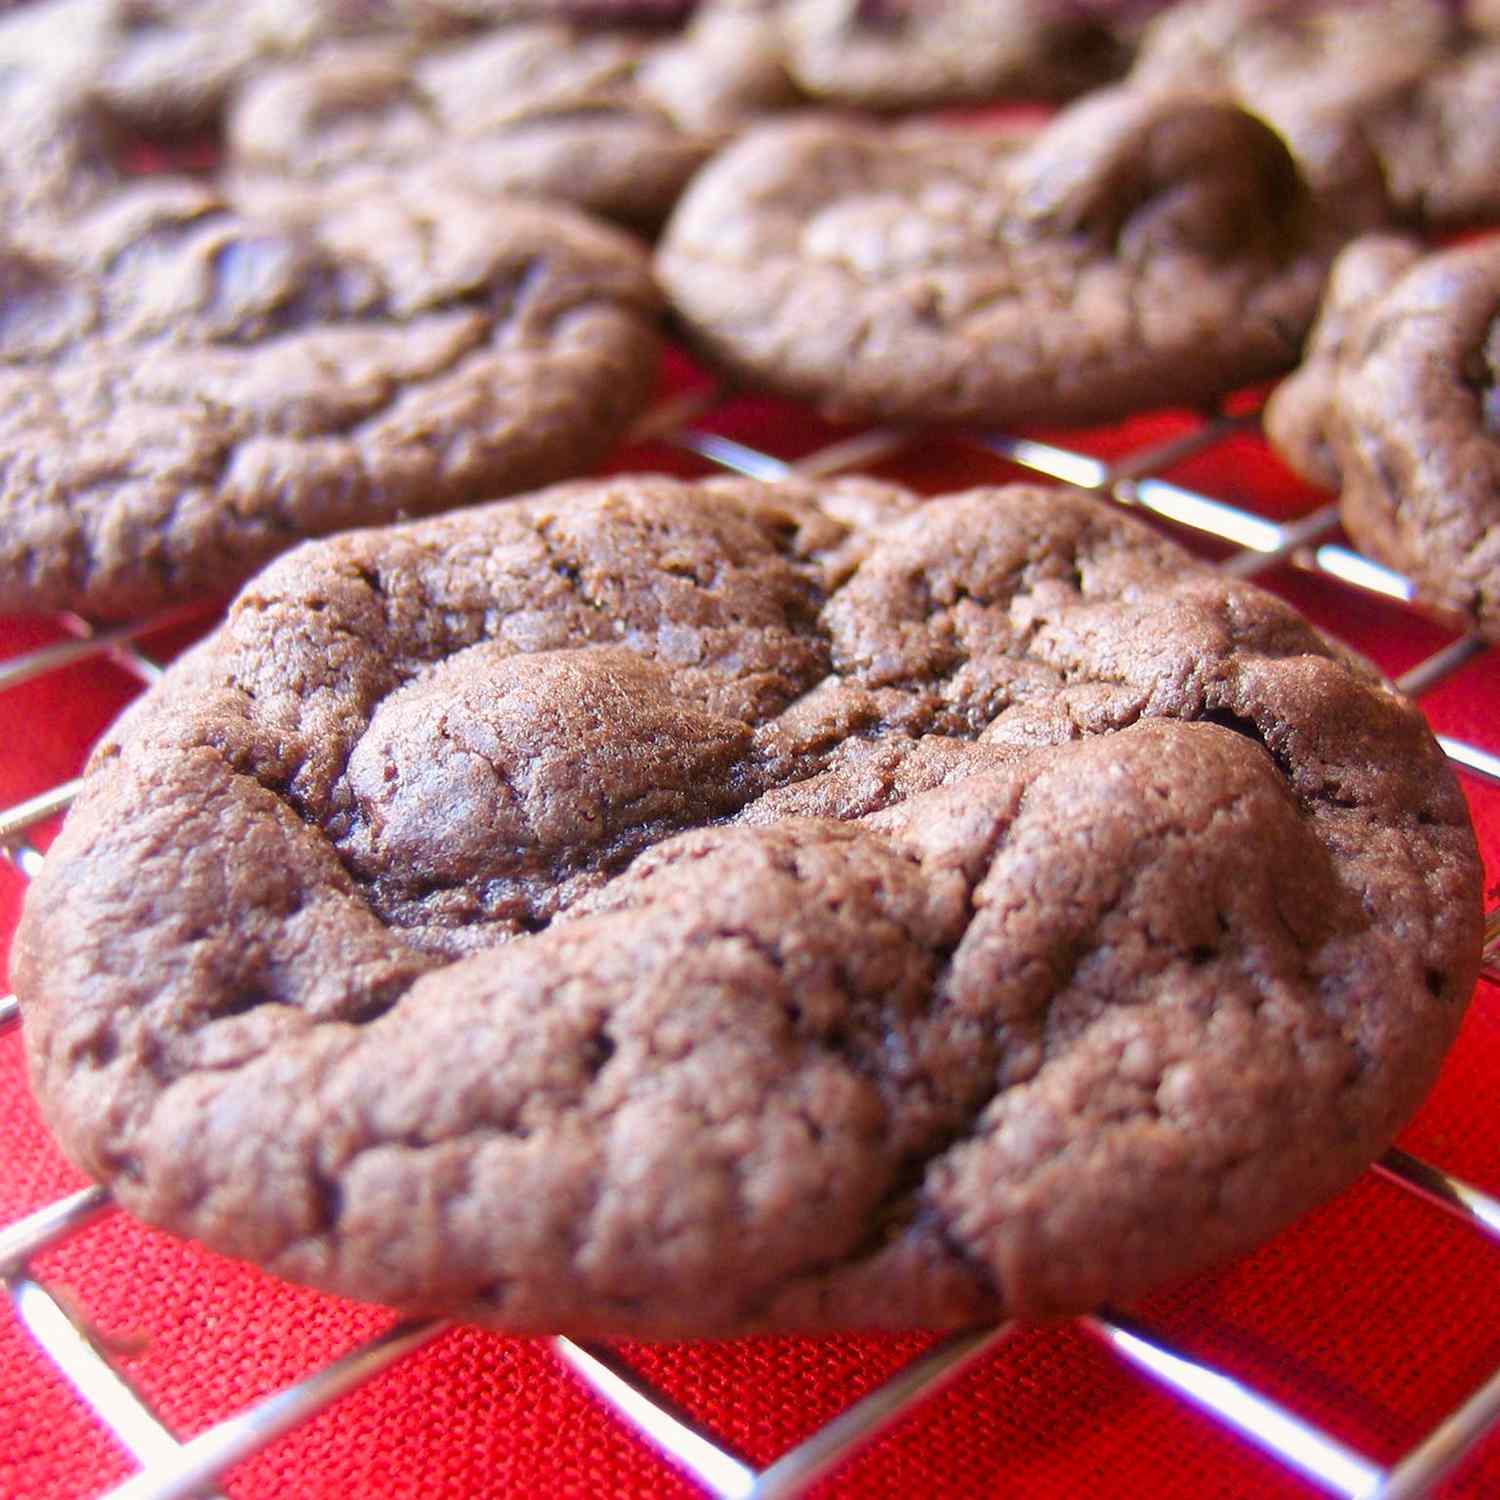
[(1142, 249), (1397, 102), (170, 65), (189, 385), (903, 54), (544, 110), (1397, 408)]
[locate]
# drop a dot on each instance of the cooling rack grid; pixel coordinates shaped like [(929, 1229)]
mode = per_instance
[(1180, 471)]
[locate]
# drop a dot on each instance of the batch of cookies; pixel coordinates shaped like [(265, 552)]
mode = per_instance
[(666, 908)]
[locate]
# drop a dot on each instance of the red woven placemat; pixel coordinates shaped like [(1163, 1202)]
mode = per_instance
[(1373, 1317)]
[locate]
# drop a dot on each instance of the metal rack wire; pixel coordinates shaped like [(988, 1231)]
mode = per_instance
[(170, 1468)]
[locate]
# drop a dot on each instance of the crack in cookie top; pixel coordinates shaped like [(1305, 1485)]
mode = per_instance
[(190, 383), (687, 909), (1395, 404), (1141, 250)]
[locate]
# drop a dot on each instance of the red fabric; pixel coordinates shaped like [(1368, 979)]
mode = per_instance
[(1374, 1316)]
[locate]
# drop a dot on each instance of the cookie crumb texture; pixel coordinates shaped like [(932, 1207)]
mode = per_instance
[(1144, 250), (676, 909)]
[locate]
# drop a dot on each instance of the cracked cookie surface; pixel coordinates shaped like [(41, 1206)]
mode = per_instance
[(1395, 406), (1140, 250), (191, 382), (688, 909)]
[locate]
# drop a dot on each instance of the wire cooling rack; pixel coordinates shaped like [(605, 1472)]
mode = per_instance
[(699, 427)]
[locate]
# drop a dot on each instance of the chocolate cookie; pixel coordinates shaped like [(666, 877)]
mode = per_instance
[(1300, 409), (595, 12), (1278, 52), (616, 122), (544, 110), (188, 387), (727, 68), (613, 121), (903, 54), (1143, 250), (1396, 102), (677, 909), (1438, 141), (171, 64), (1396, 405)]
